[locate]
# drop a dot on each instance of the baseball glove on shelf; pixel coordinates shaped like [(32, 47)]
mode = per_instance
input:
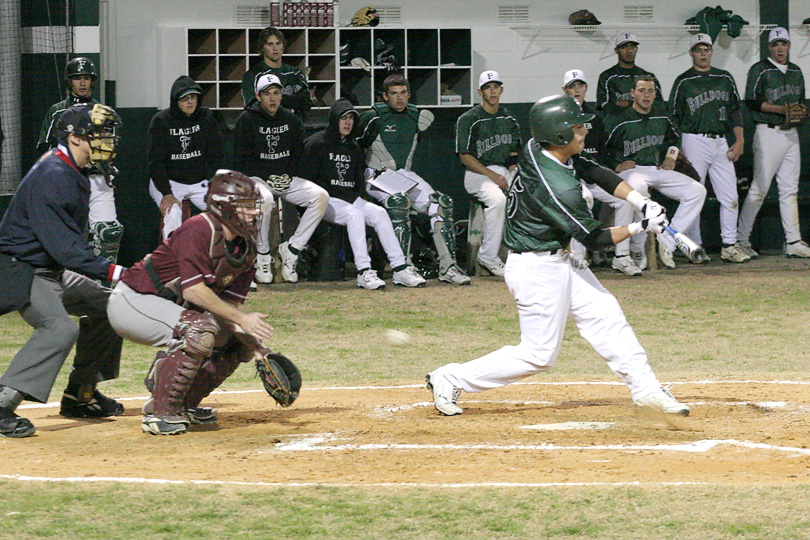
[(280, 377), (795, 115)]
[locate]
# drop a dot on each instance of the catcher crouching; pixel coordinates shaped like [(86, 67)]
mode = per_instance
[(185, 297)]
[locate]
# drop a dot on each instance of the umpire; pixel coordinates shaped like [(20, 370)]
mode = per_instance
[(44, 258)]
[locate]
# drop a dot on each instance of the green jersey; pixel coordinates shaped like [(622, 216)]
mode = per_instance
[(47, 133), (544, 206), (616, 82), (767, 83), (643, 138), (489, 138), (296, 90), (702, 101), (389, 137)]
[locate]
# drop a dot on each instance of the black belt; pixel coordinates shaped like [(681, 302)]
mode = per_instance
[(773, 126), (711, 135), (160, 287)]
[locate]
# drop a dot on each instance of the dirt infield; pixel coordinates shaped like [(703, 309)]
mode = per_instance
[(743, 432)]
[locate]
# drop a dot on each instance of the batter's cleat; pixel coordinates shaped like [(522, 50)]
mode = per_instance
[(408, 277), (99, 406), (748, 250), (799, 248), (445, 395), (625, 265), (195, 415), (264, 268), (495, 268), (13, 426), (455, 276), (640, 260), (662, 401), (164, 425), (289, 261), (666, 256), (734, 254), (369, 280)]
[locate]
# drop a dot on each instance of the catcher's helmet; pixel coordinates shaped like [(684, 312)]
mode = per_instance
[(365, 16), (97, 123), (228, 192), (553, 118), (80, 66)]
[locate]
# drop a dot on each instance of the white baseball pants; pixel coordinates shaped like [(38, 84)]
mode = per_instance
[(302, 193), (623, 213), (102, 201), (548, 289), (419, 196), (690, 194), (355, 216), (709, 156), (174, 217), (494, 200), (776, 152)]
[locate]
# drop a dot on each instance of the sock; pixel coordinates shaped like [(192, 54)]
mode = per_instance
[(400, 267), (294, 250)]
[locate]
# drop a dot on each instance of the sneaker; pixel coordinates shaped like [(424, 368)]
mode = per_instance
[(639, 259), (625, 265), (455, 276), (662, 401), (408, 277), (14, 426), (748, 250), (264, 268), (369, 280), (798, 249), (164, 425), (289, 260), (667, 257), (99, 406), (445, 395), (734, 254), (253, 285), (494, 268), (195, 415)]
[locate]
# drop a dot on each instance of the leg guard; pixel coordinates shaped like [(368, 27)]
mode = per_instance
[(197, 333), (216, 370), (444, 234), (398, 207), (107, 239), (172, 375)]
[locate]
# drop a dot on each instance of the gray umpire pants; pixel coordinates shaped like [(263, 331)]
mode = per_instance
[(55, 296)]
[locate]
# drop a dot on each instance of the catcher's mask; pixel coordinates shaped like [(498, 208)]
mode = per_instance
[(98, 124), (365, 16), (235, 200)]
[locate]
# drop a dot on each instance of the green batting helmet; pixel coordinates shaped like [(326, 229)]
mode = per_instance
[(553, 118), (80, 66)]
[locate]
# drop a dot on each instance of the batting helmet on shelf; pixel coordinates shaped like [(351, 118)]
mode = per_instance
[(80, 66), (365, 16), (228, 192), (98, 124), (553, 118)]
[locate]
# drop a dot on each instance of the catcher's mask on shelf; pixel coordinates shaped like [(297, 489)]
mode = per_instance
[(235, 200)]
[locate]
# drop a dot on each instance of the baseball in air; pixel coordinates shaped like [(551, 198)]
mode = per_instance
[(397, 338)]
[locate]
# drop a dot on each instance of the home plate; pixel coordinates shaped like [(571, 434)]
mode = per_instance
[(570, 425)]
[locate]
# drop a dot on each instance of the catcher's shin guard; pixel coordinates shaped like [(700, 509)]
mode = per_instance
[(215, 370), (197, 332), (107, 239), (172, 375), (398, 207), (444, 234)]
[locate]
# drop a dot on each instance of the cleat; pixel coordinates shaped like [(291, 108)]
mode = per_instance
[(289, 261), (13, 426), (164, 425), (666, 256), (264, 268), (640, 260), (195, 415), (734, 254), (662, 401), (253, 285), (445, 395), (99, 406), (625, 265), (369, 280), (798, 248), (748, 250), (455, 276), (495, 268), (408, 277)]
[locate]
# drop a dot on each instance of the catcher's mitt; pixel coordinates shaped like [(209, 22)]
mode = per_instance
[(795, 115), (280, 377)]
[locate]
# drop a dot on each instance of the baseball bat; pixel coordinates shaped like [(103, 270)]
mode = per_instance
[(688, 247)]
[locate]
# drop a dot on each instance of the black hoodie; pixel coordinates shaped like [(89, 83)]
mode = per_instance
[(265, 144), (185, 149), (333, 163)]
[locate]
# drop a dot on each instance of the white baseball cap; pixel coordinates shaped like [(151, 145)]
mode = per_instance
[(777, 34), (488, 77), (267, 80), (572, 76), (697, 39), (624, 37)]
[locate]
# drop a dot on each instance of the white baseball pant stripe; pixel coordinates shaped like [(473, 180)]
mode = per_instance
[(689, 193), (174, 217), (575, 247), (419, 196), (623, 213), (710, 156), (494, 200), (548, 289), (355, 216), (102, 201), (776, 152), (302, 193)]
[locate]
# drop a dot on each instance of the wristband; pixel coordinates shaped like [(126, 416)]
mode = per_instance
[(634, 228), (672, 153), (636, 199)]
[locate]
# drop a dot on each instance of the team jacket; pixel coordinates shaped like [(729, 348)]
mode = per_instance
[(643, 138), (767, 83), (185, 149), (389, 137), (489, 138), (704, 101), (265, 144), (616, 82), (47, 134), (45, 222), (197, 252), (544, 206), (296, 89), (333, 163)]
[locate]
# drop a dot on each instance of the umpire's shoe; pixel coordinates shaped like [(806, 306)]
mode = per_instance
[(88, 402), (164, 425), (14, 426), (445, 395)]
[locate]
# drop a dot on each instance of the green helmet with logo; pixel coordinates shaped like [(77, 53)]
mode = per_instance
[(553, 118), (80, 66)]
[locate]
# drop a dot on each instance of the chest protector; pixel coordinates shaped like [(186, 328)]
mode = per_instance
[(227, 266), (398, 134)]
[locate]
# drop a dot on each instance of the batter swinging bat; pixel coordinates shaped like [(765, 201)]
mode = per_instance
[(688, 247)]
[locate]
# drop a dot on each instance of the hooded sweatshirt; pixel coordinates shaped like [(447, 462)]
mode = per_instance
[(265, 144), (185, 149), (334, 163)]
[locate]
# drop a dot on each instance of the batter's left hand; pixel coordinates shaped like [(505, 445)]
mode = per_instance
[(667, 165)]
